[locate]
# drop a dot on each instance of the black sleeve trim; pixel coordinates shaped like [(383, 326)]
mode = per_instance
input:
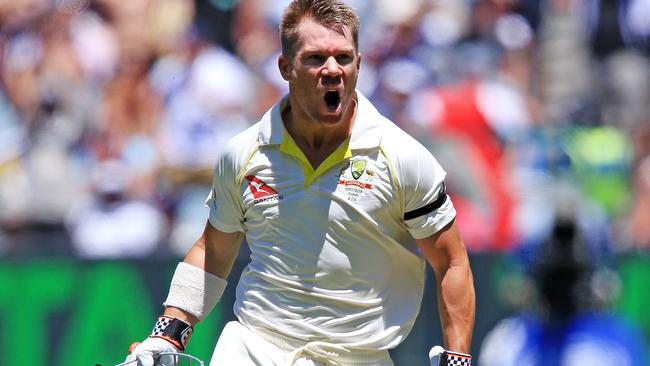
[(442, 198)]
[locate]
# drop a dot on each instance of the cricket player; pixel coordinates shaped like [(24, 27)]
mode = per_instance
[(341, 210)]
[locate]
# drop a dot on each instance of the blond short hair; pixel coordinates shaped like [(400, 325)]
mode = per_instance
[(333, 14)]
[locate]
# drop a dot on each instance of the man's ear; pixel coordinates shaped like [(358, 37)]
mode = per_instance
[(284, 64), (359, 61)]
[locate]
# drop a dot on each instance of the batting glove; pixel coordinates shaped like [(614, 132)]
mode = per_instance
[(148, 353), (169, 335), (438, 356)]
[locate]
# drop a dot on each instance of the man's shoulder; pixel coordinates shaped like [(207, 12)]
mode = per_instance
[(392, 135), (399, 143)]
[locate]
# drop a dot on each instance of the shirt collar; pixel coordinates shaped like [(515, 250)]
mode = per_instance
[(366, 131)]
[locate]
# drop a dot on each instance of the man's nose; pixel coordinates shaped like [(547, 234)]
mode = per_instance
[(331, 67)]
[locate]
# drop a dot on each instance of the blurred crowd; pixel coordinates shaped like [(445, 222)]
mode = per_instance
[(112, 113)]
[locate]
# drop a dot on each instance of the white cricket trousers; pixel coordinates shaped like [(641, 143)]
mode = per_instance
[(240, 346)]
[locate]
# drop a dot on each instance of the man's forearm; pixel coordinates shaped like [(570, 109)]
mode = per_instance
[(457, 306), (447, 255), (195, 257), (181, 314), (200, 280)]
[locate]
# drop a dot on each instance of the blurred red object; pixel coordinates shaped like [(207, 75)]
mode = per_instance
[(486, 223)]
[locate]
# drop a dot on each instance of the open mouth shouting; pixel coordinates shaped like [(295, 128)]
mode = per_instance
[(332, 100)]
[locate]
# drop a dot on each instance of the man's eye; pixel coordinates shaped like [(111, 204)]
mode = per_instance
[(316, 58), (343, 59)]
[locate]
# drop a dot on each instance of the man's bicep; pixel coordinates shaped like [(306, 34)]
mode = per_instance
[(444, 248), (215, 251), (221, 249)]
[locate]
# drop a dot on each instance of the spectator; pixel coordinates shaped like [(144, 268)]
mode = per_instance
[(493, 76), (567, 325), (113, 224)]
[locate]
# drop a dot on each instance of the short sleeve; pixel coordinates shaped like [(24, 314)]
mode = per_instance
[(427, 206), (224, 202)]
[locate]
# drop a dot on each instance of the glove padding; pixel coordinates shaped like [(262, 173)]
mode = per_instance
[(148, 353), (438, 356), (434, 355)]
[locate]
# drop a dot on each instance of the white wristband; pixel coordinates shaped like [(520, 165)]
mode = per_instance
[(194, 290)]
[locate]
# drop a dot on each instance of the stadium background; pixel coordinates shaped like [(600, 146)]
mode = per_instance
[(112, 114)]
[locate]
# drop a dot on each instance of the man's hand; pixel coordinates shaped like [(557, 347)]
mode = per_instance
[(147, 352)]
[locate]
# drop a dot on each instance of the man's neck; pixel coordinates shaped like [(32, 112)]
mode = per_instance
[(317, 141)]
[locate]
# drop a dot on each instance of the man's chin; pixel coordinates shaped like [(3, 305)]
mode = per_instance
[(333, 115)]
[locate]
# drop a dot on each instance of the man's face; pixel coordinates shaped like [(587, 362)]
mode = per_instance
[(323, 73)]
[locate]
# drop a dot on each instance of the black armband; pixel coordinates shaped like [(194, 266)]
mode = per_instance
[(173, 330)]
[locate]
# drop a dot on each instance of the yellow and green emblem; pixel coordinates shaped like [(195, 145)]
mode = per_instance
[(358, 167)]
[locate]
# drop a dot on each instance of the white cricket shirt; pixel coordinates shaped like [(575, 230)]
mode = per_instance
[(333, 256)]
